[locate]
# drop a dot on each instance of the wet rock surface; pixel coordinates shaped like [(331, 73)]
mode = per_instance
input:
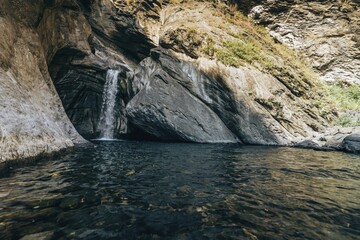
[(53, 49), (166, 109)]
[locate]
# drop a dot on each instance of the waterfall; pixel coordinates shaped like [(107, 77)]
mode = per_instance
[(107, 117)]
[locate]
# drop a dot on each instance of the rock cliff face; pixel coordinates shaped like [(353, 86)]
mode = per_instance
[(170, 89), (113, 42), (326, 32), (258, 107), (176, 82), (32, 120)]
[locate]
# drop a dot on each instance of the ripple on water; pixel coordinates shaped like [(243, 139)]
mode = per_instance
[(128, 190)]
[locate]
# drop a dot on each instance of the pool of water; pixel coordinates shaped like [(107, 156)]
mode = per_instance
[(147, 190)]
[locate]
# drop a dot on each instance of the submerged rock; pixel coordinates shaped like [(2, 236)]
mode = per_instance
[(39, 236)]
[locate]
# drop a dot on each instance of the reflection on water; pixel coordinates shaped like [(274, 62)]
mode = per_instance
[(134, 190)]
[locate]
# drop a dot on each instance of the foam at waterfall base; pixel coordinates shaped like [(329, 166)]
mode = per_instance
[(107, 140)]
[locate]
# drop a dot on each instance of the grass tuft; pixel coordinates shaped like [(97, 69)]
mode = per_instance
[(344, 95)]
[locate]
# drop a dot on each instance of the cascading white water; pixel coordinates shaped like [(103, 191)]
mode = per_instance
[(107, 117)]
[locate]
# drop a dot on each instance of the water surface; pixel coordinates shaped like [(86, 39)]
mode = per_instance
[(145, 190)]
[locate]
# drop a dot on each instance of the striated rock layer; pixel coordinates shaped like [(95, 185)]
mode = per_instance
[(326, 32)]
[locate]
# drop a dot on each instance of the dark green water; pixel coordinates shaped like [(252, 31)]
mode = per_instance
[(144, 190)]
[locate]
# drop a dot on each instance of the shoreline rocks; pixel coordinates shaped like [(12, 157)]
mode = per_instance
[(351, 143), (345, 139)]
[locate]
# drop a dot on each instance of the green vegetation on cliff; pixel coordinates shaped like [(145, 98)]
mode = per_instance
[(343, 98)]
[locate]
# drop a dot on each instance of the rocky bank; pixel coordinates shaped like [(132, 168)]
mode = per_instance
[(179, 78)]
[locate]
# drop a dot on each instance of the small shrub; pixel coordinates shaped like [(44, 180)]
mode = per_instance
[(346, 121), (209, 47), (345, 96)]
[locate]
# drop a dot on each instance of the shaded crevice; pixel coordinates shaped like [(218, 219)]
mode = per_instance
[(136, 133), (80, 90)]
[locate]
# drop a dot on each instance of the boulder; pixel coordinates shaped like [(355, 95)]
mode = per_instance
[(168, 111), (351, 143), (308, 144)]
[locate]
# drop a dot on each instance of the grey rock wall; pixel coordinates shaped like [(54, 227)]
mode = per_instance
[(32, 118), (326, 32), (351, 143)]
